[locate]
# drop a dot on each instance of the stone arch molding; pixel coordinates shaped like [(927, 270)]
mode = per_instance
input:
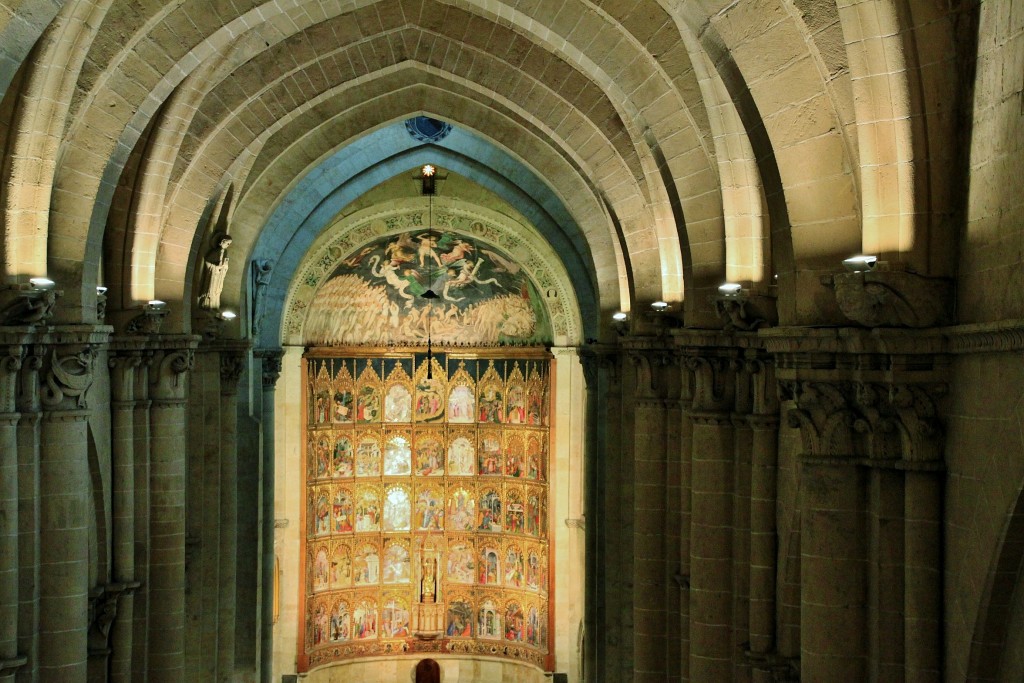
[(520, 241)]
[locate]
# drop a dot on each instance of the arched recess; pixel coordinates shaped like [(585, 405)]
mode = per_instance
[(540, 262), (343, 239), (299, 220)]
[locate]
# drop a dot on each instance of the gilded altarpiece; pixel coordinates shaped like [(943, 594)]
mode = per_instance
[(426, 520)]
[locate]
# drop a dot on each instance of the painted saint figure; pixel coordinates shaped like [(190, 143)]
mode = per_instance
[(428, 583)]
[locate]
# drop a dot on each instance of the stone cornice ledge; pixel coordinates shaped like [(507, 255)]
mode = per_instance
[(854, 340), (1003, 335), (995, 337)]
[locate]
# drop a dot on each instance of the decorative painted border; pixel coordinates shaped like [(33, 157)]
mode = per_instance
[(520, 241)]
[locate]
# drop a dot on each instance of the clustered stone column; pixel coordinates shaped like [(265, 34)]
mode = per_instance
[(788, 519)]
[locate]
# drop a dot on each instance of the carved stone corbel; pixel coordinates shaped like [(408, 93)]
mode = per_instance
[(889, 297), (744, 312), (149, 321), (102, 612), (27, 305)]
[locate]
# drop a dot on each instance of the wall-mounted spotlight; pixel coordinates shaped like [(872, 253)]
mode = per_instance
[(730, 289), (228, 315), (860, 263), (42, 284), (155, 305), (620, 322), (660, 306), (101, 290)]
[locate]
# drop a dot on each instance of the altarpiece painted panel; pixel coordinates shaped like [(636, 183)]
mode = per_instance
[(427, 498)]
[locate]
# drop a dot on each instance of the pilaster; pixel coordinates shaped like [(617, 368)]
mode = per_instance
[(270, 361), (173, 360), (11, 355)]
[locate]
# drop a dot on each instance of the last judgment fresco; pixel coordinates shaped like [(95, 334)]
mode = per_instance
[(375, 295), (426, 521)]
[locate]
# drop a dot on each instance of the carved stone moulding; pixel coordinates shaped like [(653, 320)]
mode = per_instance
[(890, 296)]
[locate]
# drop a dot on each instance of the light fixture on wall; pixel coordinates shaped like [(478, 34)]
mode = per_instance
[(620, 322), (730, 289), (860, 263), (42, 284), (228, 315), (659, 306)]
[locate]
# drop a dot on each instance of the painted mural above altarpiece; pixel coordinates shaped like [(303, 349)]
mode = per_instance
[(497, 282), (426, 518)]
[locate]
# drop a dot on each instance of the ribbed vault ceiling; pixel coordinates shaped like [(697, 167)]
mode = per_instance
[(661, 147)]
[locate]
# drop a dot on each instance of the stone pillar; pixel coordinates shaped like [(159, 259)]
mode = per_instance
[(763, 542), (141, 450), (123, 366), (65, 487), (232, 363), (711, 535), (649, 517), (271, 361), (10, 364), (764, 425), (169, 439), (28, 515), (922, 539), (608, 642)]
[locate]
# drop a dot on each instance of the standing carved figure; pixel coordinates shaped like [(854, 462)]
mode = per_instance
[(215, 267), (261, 271)]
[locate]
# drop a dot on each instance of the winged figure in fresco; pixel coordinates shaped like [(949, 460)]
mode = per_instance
[(402, 250), (389, 271)]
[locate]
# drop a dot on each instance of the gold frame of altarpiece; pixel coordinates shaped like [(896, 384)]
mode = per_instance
[(381, 573)]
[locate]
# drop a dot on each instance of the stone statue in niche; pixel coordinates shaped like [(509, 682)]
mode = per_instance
[(215, 268), (261, 271)]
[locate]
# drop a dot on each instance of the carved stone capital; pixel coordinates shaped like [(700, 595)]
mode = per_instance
[(67, 375), (232, 365), (122, 365), (168, 374), (873, 420), (11, 360), (596, 358), (28, 392), (714, 382), (271, 359), (889, 297), (577, 523)]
